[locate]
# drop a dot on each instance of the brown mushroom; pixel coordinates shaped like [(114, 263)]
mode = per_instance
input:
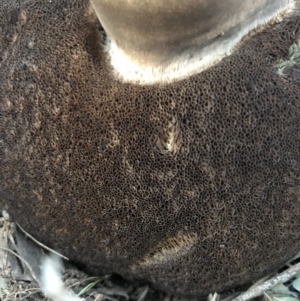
[(193, 185)]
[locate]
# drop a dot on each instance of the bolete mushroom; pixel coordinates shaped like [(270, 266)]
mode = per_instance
[(186, 177)]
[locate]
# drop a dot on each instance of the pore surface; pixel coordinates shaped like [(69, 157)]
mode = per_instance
[(193, 185)]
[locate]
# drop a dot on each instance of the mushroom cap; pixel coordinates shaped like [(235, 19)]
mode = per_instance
[(192, 185)]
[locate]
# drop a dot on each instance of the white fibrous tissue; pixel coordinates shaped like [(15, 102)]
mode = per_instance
[(51, 281)]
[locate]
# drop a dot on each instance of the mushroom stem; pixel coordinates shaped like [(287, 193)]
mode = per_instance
[(165, 36)]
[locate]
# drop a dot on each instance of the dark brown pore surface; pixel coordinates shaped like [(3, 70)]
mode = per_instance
[(86, 168)]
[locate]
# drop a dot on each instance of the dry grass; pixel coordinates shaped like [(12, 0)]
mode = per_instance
[(21, 277)]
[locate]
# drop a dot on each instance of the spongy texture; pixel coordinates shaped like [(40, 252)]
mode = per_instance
[(194, 185)]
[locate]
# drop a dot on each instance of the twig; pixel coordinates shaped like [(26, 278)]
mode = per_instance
[(22, 259), (42, 245), (295, 257), (32, 289), (260, 289), (267, 296), (84, 280), (214, 297), (20, 293), (143, 294), (29, 295), (232, 296), (98, 296)]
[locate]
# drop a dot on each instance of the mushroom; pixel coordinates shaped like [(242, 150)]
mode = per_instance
[(189, 178)]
